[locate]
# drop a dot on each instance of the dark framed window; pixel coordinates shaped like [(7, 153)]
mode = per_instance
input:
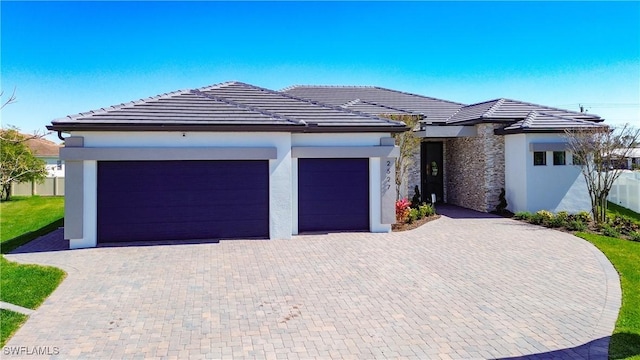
[(539, 158), (559, 158), (577, 159)]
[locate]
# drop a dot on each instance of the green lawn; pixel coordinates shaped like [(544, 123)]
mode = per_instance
[(24, 214), (625, 257), (26, 285), (613, 209), (11, 321)]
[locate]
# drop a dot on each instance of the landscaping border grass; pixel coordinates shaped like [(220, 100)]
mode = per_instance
[(27, 285), (23, 219), (23, 214), (614, 209), (625, 257), (10, 322)]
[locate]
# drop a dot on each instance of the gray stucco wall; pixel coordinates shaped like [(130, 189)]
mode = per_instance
[(475, 169), (74, 200)]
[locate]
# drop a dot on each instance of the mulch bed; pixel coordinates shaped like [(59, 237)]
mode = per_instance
[(413, 225)]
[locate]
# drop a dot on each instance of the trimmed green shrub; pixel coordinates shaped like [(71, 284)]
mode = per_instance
[(545, 217), (608, 230), (522, 215), (583, 216), (624, 224), (413, 215), (426, 210), (536, 219), (576, 225), (563, 215), (557, 221)]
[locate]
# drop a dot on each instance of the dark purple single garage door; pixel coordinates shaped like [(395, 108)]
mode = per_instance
[(182, 200), (333, 195)]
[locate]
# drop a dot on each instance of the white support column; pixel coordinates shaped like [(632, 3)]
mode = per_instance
[(375, 198), (90, 207), (294, 195)]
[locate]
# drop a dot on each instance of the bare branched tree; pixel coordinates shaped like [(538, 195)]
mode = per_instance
[(36, 135), (8, 101), (601, 151), (17, 162)]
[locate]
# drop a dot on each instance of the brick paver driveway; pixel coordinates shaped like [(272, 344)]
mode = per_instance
[(458, 287)]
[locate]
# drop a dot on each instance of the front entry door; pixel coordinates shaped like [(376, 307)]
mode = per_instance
[(431, 168)]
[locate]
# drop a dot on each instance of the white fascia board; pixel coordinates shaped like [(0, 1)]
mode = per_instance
[(345, 151), (445, 131)]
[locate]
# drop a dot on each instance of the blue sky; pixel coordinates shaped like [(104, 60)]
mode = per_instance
[(68, 57)]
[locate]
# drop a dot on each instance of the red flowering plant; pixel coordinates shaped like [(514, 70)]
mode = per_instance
[(403, 208)]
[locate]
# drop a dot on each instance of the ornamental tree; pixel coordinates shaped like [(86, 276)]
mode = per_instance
[(17, 162), (600, 151)]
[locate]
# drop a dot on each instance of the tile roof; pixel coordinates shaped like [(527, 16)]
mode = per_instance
[(230, 106), (544, 122), (506, 110), (378, 99)]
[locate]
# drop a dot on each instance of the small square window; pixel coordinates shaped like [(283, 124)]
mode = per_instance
[(577, 160), (539, 158), (559, 158)]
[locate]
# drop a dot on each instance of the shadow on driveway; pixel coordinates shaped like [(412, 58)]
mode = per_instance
[(53, 241), (593, 350), (457, 212)]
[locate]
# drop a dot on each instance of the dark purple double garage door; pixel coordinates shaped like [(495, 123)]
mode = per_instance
[(184, 200)]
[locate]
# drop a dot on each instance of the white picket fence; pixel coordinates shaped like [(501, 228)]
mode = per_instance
[(626, 191)]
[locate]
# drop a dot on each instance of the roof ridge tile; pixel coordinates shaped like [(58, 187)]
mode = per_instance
[(325, 105), (553, 108), (390, 107), (244, 106), (494, 107), (526, 122), (418, 95)]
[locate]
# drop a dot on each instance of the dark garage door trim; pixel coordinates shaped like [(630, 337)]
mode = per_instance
[(333, 194), (182, 200)]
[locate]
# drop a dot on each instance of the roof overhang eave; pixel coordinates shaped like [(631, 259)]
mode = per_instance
[(483, 120), (536, 131), (294, 128)]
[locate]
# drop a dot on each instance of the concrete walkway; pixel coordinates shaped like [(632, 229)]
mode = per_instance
[(465, 286)]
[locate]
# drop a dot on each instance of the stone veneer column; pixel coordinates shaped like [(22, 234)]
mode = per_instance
[(475, 169), (413, 174)]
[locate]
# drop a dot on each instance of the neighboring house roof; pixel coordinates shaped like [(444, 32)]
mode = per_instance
[(544, 123), (633, 152), (506, 110), (230, 106), (43, 147), (378, 100)]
